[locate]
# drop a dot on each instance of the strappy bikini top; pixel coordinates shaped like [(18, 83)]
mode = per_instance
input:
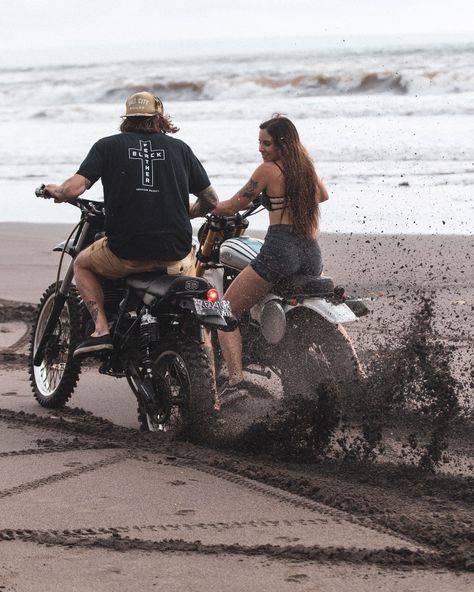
[(273, 203)]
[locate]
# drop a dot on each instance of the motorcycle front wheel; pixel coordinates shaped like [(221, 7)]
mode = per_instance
[(183, 386), (54, 381)]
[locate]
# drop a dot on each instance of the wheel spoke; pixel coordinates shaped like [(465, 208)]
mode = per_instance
[(57, 364)]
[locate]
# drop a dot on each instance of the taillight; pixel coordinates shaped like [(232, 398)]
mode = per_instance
[(212, 295)]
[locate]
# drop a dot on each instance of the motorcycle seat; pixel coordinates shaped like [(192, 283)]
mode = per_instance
[(160, 284), (305, 285)]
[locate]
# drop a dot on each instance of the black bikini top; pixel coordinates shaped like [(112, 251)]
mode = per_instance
[(273, 204)]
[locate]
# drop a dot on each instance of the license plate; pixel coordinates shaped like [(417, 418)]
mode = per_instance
[(205, 307)]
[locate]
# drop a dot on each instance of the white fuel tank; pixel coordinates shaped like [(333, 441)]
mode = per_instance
[(238, 252)]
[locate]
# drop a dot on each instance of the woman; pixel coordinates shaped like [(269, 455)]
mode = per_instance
[(291, 192)]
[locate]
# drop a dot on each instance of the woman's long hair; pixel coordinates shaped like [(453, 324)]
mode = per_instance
[(301, 184), (160, 124)]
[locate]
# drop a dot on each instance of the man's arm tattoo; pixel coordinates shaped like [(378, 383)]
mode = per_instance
[(249, 190), (63, 191), (93, 309), (59, 192), (206, 202)]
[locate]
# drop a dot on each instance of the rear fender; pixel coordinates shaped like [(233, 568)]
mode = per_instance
[(272, 312), (212, 319), (333, 313), (215, 276)]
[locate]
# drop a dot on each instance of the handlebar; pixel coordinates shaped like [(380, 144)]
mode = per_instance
[(256, 204), (86, 206), (41, 191), (239, 216)]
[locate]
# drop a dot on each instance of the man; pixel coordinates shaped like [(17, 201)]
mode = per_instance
[(147, 177)]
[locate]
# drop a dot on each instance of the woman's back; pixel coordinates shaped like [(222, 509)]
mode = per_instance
[(274, 197)]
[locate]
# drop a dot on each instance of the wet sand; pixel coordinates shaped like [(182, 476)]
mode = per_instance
[(390, 272), (103, 505)]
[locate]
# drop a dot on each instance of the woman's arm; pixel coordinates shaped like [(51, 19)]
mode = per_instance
[(244, 197)]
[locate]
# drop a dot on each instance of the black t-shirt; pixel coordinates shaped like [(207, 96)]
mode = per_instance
[(147, 179)]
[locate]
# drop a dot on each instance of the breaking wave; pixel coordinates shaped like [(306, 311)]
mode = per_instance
[(247, 86), (406, 74), (395, 73)]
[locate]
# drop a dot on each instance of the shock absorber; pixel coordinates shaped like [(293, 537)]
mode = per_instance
[(149, 333)]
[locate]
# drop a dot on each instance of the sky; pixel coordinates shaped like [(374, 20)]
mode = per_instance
[(32, 28)]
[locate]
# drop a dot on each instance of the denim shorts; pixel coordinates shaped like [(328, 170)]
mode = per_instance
[(286, 252)]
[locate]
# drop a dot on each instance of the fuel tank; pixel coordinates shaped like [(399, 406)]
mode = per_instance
[(238, 252)]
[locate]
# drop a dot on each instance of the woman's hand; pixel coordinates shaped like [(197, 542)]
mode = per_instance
[(224, 208)]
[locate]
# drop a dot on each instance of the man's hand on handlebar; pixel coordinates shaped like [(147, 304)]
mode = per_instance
[(59, 193), (71, 189), (49, 191), (41, 192)]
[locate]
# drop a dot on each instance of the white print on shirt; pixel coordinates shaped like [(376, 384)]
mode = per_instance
[(147, 156)]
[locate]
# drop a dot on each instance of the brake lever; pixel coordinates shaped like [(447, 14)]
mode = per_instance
[(96, 210)]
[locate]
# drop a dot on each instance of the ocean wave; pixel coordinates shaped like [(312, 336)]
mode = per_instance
[(218, 88), (408, 74), (176, 90)]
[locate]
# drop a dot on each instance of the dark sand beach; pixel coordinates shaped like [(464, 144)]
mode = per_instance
[(84, 493), (391, 272)]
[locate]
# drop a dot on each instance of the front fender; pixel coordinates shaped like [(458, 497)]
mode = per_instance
[(70, 249)]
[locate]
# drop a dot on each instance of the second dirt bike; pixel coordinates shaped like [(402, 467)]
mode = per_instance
[(296, 331)]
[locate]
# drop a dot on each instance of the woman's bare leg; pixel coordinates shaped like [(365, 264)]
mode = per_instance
[(246, 290)]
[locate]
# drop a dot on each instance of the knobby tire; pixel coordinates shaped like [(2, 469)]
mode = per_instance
[(54, 381), (183, 365)]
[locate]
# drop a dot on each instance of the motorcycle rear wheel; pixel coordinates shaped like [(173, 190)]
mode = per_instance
[(182, 380), (54, 381), (315, 351)]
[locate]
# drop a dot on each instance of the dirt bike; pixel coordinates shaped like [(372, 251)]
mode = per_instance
[(296, 331), (156, 324)]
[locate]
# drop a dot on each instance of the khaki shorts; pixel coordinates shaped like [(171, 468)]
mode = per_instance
[(104, 263)]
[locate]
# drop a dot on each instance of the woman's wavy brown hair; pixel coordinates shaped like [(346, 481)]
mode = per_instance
[(301, 182), (160, 124)]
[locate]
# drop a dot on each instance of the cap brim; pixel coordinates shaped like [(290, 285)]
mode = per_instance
[(140, 115)]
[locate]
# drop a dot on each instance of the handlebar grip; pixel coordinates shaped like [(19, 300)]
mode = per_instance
[(42, 192)]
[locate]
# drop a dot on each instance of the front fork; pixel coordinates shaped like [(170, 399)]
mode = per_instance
[(205, 252), (59, 300)]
